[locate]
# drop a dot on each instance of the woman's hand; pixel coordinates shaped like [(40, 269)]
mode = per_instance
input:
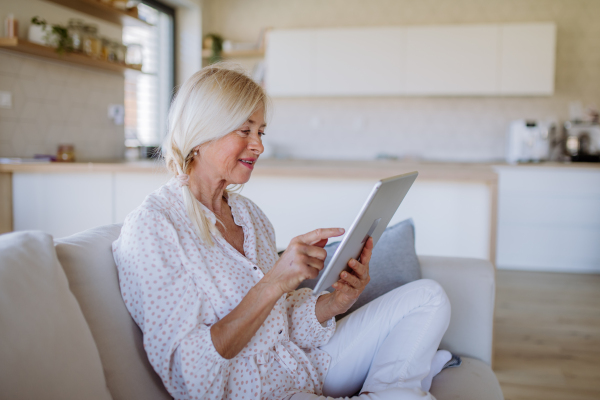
[(303, 259), (348, 288)]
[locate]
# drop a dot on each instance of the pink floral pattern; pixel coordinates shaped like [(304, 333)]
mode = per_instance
[(175, 288)]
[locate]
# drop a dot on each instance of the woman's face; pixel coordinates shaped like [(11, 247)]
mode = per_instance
[(232, 157)]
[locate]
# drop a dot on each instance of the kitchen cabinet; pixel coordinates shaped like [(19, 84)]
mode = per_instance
[(356, 62), (62, 204), (451, 218), (526, 217), (130, 189), (527, 58), (66, 203), (549, 219), (452, 60), (448, 60), (290, 58), (452, 205)]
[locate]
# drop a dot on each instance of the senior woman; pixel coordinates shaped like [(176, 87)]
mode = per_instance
[(200, 274)]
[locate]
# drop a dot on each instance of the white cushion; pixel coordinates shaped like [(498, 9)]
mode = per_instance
[(88, 262), (473, 380), (46, 348)]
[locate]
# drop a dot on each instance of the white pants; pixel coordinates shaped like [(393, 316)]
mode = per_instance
[(386, 346)]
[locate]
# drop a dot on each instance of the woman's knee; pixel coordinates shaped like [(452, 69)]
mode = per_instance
[(430, 292), (417, 294), (434, 288)]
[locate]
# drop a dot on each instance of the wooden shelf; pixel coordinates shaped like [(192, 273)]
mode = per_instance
[(206, 53), (23, 46), (103, 11)]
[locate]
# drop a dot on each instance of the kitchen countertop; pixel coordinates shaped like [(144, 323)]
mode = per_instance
[(342, 169)]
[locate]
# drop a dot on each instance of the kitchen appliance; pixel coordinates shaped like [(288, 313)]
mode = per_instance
[(582, 141), (529, 140)]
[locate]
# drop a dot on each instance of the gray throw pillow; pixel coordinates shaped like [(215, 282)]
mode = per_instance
[(394, 263)]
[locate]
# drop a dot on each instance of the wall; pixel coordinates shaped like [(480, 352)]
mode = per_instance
[(449, 128), (56, 103)]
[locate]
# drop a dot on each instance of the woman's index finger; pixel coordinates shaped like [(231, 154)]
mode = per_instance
[(319, 234)]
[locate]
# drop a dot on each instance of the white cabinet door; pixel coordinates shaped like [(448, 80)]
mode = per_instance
[(527, 57), (289, 60), (444, 60), (132, 188), (549, 219), (452, 60), (62, 204), (451, 218), (359, 61)]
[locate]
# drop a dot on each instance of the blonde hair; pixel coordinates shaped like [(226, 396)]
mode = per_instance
[(213, 102)]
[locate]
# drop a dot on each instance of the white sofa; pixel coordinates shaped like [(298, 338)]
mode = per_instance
[(66, 334)]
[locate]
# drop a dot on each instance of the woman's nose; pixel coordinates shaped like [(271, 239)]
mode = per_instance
[(256, 144)]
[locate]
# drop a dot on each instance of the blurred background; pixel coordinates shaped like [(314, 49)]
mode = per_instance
[(494, 102)]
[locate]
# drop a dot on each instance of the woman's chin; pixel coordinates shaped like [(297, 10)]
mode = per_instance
[(241, 179)]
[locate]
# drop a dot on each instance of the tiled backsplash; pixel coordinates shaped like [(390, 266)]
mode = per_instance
[(457, 129), (450, 128), (54, 104)]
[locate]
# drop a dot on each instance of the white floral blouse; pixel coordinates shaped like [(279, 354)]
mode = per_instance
[(175, 288)]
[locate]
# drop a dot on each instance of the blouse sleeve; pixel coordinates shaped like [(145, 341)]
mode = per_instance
[(169, 308), (305, 329)]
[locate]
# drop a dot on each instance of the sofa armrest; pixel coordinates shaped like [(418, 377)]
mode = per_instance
[(471, 287)]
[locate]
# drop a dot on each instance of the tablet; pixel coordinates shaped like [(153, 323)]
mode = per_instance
[(373, 218)]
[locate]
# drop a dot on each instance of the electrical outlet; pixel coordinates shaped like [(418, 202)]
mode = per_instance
[(116, 112), (5, 100)]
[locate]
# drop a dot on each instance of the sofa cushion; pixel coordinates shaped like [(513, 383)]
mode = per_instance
[(473, 380), (394, 263), (46, 348), (90, 268)]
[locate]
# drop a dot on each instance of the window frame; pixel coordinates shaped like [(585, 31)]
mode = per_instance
[(162, 7)]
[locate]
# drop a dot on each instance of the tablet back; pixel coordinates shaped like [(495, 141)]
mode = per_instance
[(373, 218)]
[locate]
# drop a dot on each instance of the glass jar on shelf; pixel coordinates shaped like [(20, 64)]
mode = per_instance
[(134, 55), (120, 53), (65, 153), (120, 4), (112, 51), (91, 43), (105, 48), (75, 31)]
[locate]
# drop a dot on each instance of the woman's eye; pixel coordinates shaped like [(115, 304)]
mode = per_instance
[(247, 132)]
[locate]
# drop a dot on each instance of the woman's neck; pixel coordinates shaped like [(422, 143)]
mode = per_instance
[(209, 192)]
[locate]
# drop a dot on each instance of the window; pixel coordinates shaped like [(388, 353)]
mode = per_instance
[(148, 94)]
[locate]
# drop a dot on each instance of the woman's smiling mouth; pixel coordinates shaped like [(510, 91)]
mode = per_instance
[(248, 162)]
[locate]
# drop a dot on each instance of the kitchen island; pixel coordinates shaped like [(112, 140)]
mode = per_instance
[(63, 198), (455, 206)]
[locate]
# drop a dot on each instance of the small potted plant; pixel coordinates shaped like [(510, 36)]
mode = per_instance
[(50, 35), (213, 42)]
